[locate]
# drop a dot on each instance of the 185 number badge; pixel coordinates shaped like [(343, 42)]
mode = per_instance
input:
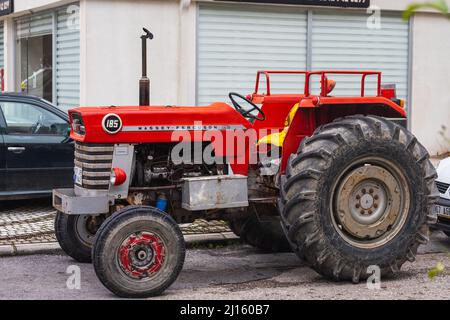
[(112, 123)]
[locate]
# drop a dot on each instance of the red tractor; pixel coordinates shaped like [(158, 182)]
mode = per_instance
[(350, 185)]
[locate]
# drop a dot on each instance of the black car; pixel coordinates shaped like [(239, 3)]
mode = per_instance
[(36, 153)]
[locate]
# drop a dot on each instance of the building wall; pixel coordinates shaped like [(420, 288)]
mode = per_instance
[(111, 58), (431, 80), (393, 5), (25, 6)]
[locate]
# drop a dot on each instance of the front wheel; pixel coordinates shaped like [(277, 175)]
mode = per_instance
[(358, 194), (76, 233), (139, 252)]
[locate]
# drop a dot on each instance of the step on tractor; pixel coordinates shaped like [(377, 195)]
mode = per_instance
[(337, 180)]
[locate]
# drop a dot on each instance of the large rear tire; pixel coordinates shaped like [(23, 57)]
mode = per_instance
[(139, 252), (358, 193), (261, 231)]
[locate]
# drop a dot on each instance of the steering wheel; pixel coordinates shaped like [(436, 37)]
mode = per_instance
[(38, 125), (246, 113)]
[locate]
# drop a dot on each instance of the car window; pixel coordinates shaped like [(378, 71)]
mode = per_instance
[(24, 118)]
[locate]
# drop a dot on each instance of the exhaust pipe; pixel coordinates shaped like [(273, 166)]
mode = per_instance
[(144, 83)]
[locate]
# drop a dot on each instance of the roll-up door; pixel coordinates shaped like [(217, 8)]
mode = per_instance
[(2, 57), (2, 46), (67, 60), (344, 41), (235, 41), (35, 25)]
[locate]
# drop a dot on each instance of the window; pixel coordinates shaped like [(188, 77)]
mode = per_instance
[(35, 59), (34, 55), (47, 55), (26, 119)]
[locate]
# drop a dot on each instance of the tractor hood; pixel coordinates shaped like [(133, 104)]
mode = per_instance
[(150, 123)]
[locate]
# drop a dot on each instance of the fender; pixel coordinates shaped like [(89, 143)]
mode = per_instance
[(371, 105), (315, 111)]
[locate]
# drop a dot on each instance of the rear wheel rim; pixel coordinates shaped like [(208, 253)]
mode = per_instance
[(141, 255), (370, 202)]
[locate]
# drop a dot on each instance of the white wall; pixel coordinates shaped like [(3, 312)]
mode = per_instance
[(392, 5), (399, 5), (25, 6), (111, 60), (111, 56), (431, 80)]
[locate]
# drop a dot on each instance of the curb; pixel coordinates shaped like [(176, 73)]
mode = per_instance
[(29, 249), (210, 237), (53, 247)]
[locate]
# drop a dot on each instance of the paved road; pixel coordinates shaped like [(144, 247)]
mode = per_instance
[(238, 272)]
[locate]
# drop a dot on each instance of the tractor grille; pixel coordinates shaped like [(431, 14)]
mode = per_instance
[(442, 187), (96, 162)]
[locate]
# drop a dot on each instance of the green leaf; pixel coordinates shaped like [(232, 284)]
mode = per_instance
[(438, 5), (439, 269)]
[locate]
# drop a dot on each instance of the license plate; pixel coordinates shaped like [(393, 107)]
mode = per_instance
[(442, 211), (78, 175)]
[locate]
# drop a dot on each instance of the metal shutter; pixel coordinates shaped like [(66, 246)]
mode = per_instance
[(2, 46), (235, 41), (343, 41), (35, 25), (67, 60)]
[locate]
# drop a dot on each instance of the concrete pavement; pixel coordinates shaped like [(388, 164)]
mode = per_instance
[(234, 272)]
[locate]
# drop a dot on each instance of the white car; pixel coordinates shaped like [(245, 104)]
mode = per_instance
[(443, 206)]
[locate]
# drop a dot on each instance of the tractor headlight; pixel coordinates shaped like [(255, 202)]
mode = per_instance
[(78, 125)]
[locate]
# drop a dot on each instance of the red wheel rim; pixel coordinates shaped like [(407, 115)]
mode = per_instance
[(141, 255)]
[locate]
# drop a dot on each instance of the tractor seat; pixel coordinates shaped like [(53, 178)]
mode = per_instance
[(277, 139)]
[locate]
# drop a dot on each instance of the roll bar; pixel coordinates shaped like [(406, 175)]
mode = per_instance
[(323, 77)]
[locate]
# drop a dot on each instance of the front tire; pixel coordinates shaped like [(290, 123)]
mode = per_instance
[(139, 252), (75, 235), (358, 193)]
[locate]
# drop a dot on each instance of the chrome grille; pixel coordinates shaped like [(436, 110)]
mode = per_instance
[(442, 187), (96, 162)]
